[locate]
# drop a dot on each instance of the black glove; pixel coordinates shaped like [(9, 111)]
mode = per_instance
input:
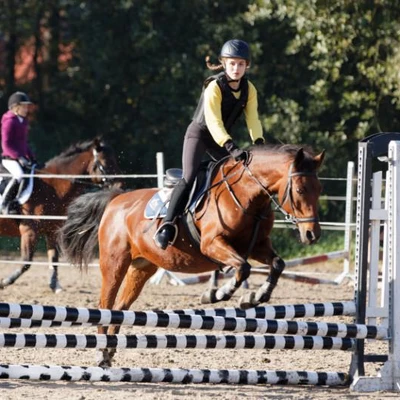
[(237, 153), (24, 162), (259, 142), (35, 163)]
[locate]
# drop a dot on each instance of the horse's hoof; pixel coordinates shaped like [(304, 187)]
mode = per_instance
[(262, 295), (103, 359), (56, 288), (104, 364), (208, 297), (248, 301)]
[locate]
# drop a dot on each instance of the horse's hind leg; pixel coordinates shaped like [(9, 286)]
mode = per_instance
[(28, 244), (263, 294), (54, 284), (113, 272), (52, 258), (136, 277)]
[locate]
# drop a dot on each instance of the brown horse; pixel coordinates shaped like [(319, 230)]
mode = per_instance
[(52, 195), (234, 219)]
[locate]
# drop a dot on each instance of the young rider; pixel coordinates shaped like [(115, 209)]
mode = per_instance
[(16, 153), (225, 96)]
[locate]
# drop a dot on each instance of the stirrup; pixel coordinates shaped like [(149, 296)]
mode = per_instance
[(170, 241)]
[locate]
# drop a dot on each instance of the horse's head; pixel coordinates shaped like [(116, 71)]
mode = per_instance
[(103, 162), (299, 194), (94, 158)]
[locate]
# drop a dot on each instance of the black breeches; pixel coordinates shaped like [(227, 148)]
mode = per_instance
[(197, 142)]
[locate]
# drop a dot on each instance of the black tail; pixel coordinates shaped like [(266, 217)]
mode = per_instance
[(78, 236)]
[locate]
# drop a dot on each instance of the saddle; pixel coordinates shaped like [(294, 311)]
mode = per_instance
[(25, 189), (158, 205)]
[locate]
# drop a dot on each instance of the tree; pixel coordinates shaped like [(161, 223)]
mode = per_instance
[(337, 68)]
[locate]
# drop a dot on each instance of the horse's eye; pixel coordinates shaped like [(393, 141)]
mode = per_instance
[(300, 191)]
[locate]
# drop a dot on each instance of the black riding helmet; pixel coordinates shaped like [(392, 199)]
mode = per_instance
[(18, 98), (235, 49)]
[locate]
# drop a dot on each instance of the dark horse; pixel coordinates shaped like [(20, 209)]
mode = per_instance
[(235, 220), (52, 195)]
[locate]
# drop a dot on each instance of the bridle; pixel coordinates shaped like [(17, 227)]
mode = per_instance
[(288, 194), (98, 165)]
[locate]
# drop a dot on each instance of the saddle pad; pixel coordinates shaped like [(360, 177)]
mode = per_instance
[(157, 205)]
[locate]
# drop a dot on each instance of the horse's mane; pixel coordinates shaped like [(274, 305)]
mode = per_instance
[(290, 150), (73, 150)]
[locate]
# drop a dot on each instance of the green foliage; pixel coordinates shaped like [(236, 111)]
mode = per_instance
[(287, 245), (343, 58), (132, 71)]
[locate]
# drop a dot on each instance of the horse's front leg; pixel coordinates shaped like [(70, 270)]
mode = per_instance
[(264, 293), (226, 291), (264, 253), (220, 250), (213, 282), (28, 243)]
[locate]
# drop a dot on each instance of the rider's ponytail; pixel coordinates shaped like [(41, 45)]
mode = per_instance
[(213, 67)]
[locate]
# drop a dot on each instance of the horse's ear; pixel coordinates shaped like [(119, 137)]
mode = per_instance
[(97, 142), (299, 157), (320, 158)]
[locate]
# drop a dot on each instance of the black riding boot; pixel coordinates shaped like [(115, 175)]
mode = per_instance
[(9, 194), (167, 232)]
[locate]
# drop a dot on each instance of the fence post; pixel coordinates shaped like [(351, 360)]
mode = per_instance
[(160, 169), (348, 221)]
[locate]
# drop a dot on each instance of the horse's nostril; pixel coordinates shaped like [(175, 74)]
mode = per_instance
[(310, 236)]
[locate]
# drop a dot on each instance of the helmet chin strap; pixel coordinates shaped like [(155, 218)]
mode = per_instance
[(229, 79)]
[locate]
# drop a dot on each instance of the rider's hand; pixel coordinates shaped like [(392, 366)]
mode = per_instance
[(24, 162), (237, 153), (259, 141)]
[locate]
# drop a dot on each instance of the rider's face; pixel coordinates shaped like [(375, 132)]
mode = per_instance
[(22, 110), (235, 68)]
